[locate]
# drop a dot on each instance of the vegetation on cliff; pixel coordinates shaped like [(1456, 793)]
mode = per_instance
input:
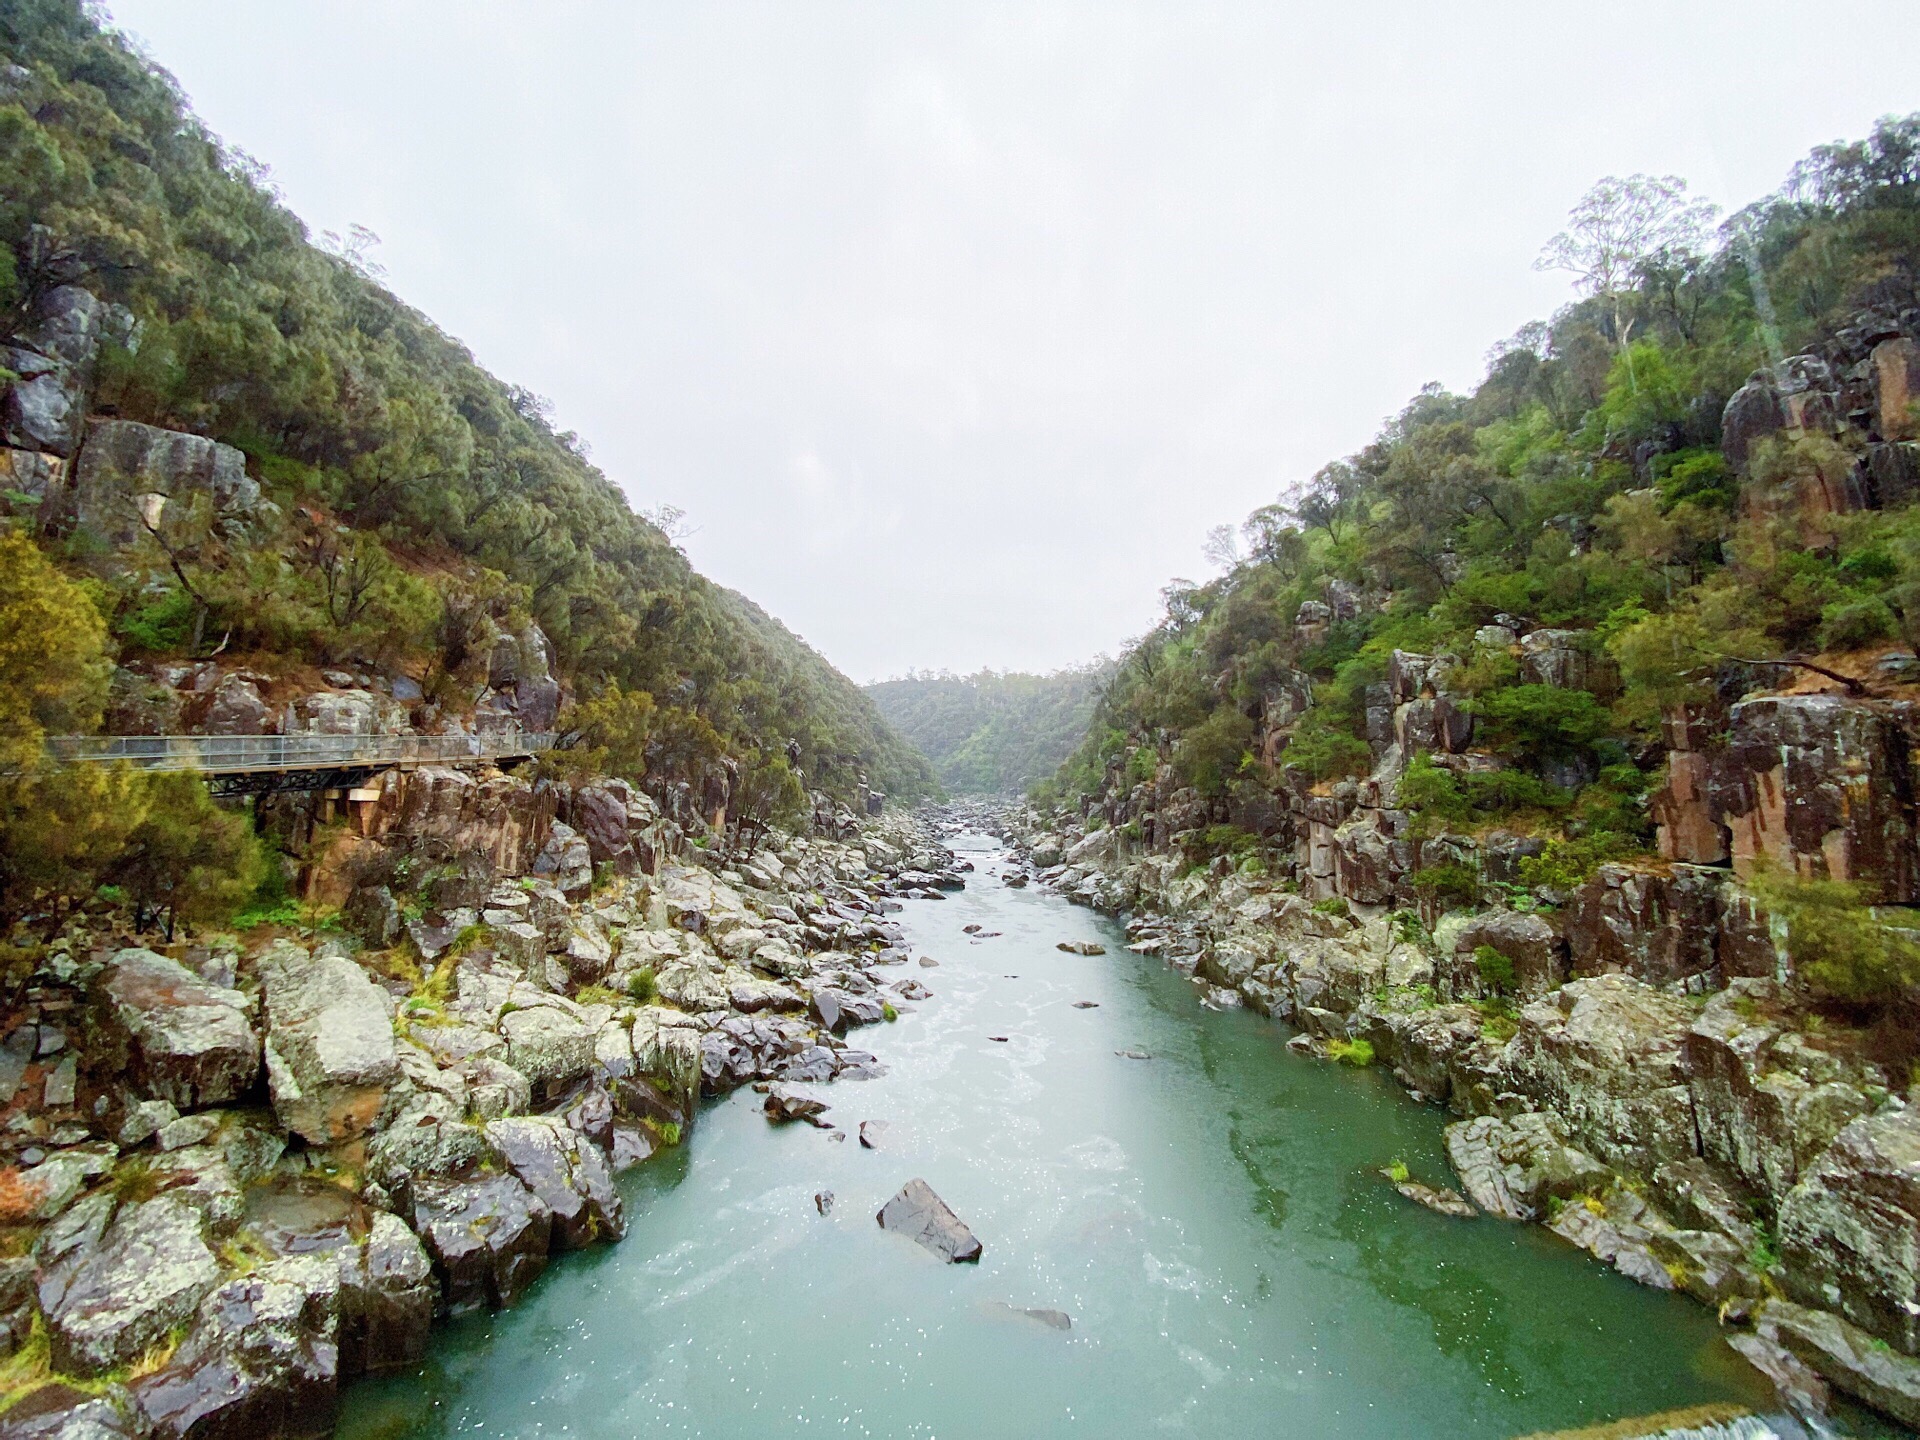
[(1692, 484), (995, 732), (412, 508)]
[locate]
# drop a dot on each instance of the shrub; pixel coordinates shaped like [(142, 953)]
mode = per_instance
[(1849, 624), (1534, 722), (1398, 1173), (1335, 905), (1568, 863), (1448, 882), (1496, 969), (1841, 949), (1357, 1053), (641, 987)]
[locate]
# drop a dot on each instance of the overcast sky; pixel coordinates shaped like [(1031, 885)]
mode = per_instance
[(954, 327)]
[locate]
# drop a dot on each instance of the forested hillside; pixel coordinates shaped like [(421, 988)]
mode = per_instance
[(1518, 625), (994, 732), (394, 511)]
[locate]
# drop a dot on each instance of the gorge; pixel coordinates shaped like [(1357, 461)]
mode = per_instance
[(462, 969)]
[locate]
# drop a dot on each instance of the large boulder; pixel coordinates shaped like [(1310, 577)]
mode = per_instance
[(522, 692), (115, 1279), (1848, 1357), (547, 1044), (1606, 1054), (1850, 1230), (567, 1172), (172, 1034), (386, 1290), (1819, 785), (330, 1052), (1529, 940), (923, 1216), (488, 1236), (261, 1359), (1511, 1167), (52, 360), (1896, 388)]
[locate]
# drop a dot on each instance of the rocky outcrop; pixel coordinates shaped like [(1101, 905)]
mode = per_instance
[(129, 476), (1850, 1229), (115, 1279), (1656, 926), (566, 1172), (1819, 785), (1605, 1054)]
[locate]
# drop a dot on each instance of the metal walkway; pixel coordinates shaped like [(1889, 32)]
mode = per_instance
[(261, 764)]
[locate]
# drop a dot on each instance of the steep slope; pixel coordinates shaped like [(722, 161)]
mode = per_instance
[(397, 508), (994, 732)]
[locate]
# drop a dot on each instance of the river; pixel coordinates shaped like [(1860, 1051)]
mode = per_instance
[(1210, 1217)]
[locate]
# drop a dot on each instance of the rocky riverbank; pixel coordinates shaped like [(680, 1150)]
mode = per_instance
[(1720, 1141), (241, 1171)]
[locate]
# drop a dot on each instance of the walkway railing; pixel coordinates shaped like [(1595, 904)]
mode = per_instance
[(256, 754)]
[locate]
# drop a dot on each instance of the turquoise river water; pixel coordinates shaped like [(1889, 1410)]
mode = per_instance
[(1211, 1218)]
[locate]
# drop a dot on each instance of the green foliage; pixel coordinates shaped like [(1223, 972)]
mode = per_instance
[(1495, 969), (1567, 863), (993, 732), (188, 859), (1398, 1172), (1334, 905), (1447, 883), (641, 986), (1357, 1053), (1324, 749), (1211, 753), (1841, 948), (409, 479), (1536, 722)]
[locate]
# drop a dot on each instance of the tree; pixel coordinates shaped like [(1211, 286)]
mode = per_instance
[(1618, 227), (188, 859)]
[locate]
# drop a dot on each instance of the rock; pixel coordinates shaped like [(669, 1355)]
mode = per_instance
[(1798, 1387), (1850, 1230), (566, 1172), (55, 1411), (567, 860), (386, 1286), (330, 1055), (53, 357), (1052, 1319), (1766, 1103), (114, 1280), (237, 708), (1081, 947), (1614, 1237), (1529, 940), (783, 1105), (1656, 927), (1848, 1358), (872, 1133), (1441, 1200), (1605, 1054), (823, 1201), (1896, 388), (372, 913), (919, 1213), (1819, 785), (173, 1035), (262, 1359), (1510, 1168), (548, 1046), (123, 461), (488, 1236)]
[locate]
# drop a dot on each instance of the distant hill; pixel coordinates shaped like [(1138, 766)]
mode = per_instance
[(993, 732)]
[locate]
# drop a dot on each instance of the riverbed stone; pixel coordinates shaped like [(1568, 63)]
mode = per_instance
[(261, 1359), (176, 1037), (917, 1212), (1848, 1358), (1511, 1167)]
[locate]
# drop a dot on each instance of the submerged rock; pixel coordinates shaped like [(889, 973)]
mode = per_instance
[(919, 1213), (1081, 947)]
